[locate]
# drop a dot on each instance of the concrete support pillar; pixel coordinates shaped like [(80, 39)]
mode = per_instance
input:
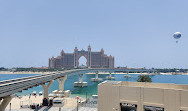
[(140, 106), (110, 75), (5, 102), (127, 73), (61, 82), (80, 78), (96, 76), (46, 89)]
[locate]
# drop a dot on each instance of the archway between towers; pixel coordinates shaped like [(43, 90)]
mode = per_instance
[(82, 56), (82, 62)]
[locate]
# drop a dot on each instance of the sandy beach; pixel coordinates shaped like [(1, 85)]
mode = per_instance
[(16, 102), (26, 101)]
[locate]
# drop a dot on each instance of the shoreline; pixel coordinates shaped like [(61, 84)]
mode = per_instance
[(105, 73), (24, 72), (170, 73)]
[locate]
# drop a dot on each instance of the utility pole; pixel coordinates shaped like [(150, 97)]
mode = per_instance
[(10, 106), (77, 102), (86, 97)]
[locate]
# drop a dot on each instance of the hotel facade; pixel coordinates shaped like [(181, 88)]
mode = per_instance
[(136, 96), (71, 60)]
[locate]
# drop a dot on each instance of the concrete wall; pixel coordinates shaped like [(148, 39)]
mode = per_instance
[(105, 100), (169, 96)]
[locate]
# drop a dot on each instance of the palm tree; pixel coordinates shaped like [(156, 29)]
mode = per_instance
[(144, 78)]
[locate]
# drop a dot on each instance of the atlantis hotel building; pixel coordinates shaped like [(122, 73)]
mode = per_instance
[(71, 60)]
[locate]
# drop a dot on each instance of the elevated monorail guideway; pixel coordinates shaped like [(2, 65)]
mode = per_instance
[(12, 86), (9, 87)]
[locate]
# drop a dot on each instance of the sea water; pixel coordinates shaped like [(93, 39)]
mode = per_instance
[(91, 89)]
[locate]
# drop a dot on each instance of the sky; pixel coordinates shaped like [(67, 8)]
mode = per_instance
[(138, 33)]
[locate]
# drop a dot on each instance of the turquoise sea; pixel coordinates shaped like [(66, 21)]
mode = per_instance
[(92, 86)]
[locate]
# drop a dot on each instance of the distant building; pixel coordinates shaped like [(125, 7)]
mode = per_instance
[(140, 96), (71, 60)]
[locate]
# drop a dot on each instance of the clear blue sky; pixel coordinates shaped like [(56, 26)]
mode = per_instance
[(138, 33)]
